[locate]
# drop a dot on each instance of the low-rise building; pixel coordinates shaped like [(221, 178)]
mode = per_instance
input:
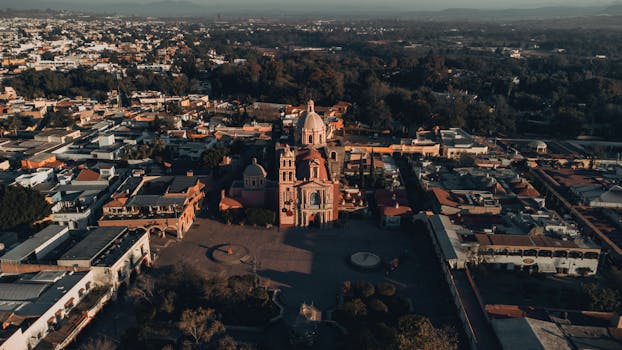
[(41, 160), (460, 245), (41, 175), (57, 135), (456, 141), (37, 246), (112, 253), (155, 203), (35, 304)]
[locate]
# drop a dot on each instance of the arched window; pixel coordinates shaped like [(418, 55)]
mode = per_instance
[(284, 177), (290, 162), (320, 138), (314, 199), (333, 155), (310, 138), (290, 176), (315, 172)]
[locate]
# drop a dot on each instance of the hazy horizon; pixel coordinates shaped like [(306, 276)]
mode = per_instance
[(415, 5)]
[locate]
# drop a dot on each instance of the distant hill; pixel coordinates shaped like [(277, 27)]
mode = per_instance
[(173, 8), (160, 8)]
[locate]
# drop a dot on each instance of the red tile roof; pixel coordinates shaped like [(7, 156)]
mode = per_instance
[(444, 197), (87, 175)]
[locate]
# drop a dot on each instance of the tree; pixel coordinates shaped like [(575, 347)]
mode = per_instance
[(600, 298), (101, 343), (364, 289), (227, 343), (144, 310), (14, 123), (260, 216), (417, 332), (168, 302), (568, 122), (385, 289), (466, 160), (143, 287), (21, 206), (201, 324), (59, 119), (47, 56), (213, 156), (377, 306), (355, 308)]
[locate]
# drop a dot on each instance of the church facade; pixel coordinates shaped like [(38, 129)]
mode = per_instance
[(307, 192)]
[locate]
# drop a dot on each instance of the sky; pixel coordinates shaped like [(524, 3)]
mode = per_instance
[(416, 5)]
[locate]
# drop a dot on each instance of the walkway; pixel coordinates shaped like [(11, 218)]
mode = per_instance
[(486, 338)]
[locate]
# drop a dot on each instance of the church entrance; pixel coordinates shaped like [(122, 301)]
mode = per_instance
[(314, 220)]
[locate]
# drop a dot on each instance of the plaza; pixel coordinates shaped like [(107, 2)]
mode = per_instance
[(310, 265)]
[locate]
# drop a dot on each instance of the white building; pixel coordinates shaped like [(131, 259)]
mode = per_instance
[(456, 141), (459, 246), (112, 253), (40, 176), (33, 305)]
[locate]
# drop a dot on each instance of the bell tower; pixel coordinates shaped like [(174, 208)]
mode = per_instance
[(287, 192)]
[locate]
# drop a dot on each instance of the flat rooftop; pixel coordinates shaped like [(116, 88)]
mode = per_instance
[(29, 246), (154, 200), (537, 241), (94, 242)]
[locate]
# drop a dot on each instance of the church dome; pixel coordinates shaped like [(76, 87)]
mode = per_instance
[(254, 169), (311, 120)]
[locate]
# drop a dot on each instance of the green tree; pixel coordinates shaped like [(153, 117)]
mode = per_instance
[(213, 156), (260, 216), (20, 206), (599, 298), (59, 119), (14, 123)]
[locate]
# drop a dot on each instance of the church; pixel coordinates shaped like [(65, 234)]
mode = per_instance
[(307, 193)]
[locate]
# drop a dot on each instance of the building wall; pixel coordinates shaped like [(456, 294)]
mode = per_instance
[(574, 266), (14, 268), (454, 152), (74, 221), (39, 328), (121, 270), (31, 164)]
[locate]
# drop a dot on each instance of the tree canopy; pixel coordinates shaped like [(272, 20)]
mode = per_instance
[(20, 206)]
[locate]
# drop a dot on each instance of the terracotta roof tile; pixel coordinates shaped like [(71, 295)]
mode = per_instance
[(87, 175)]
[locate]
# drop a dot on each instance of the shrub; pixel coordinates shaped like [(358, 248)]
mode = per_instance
[(259, 216), (364, 289), (385, 289)]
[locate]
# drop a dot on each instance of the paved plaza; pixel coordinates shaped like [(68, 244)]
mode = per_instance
[(309, 265)]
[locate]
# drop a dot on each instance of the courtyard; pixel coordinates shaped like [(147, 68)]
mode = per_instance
[(309, 265)]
